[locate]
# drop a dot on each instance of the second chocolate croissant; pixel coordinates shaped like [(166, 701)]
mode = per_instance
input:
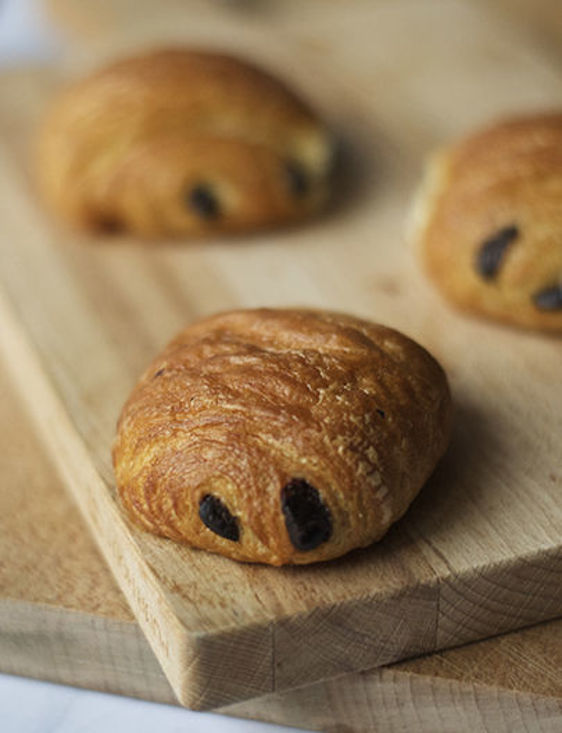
[(179, 142)]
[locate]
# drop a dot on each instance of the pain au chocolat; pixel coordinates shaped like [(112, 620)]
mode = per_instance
[(489, 222), (281, 436), (180, 142)]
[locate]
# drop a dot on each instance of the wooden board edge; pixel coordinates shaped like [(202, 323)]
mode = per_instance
[(389, 700), (104, 654), (499, 597), (184, 655), (203, 669), (80, 649)]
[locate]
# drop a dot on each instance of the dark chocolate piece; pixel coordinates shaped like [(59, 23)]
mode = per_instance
[(491, 253), (217, 518), (307, 518), (202, 200), (549, 299), (296, 179), (109, 225)]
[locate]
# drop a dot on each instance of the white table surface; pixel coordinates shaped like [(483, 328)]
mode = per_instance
[(31, 706)]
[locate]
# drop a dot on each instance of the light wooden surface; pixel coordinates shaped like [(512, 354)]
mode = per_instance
[(63, 619), (479, 553)]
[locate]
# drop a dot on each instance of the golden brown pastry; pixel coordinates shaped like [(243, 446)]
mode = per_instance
[(489, 222), (281, 436), (180, 142)]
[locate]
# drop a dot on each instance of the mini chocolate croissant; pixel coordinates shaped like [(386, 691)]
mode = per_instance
[(281, 436), (489, 222), (179, 142)]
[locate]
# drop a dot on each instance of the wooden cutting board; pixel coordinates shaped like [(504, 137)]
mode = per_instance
[(479, 552), (63, 619)]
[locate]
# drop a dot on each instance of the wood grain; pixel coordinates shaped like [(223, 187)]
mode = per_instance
[(479, 553), (63, 619)]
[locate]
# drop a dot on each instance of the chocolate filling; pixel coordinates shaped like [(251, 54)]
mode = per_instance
[(307, 518), (491, 253), (297, 179), (549, 299), (217, 518), (204, 202)]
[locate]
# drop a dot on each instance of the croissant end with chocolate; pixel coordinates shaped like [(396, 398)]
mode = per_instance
[(281, 436), (179, 142), (489, 222)]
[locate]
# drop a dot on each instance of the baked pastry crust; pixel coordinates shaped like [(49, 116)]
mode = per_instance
[(281, 436), (181, 142), (488, 222)]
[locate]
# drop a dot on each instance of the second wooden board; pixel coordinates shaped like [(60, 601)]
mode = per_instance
[(480, 551)]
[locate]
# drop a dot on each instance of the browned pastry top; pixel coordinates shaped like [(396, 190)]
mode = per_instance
[(491, 222), (180, 142), (281, 436)]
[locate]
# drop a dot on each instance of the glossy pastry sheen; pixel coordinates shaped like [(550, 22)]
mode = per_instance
[(281, 436), (179, 142), (489, 222)]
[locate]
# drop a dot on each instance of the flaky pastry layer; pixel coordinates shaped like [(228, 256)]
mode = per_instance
[(281, 436)]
